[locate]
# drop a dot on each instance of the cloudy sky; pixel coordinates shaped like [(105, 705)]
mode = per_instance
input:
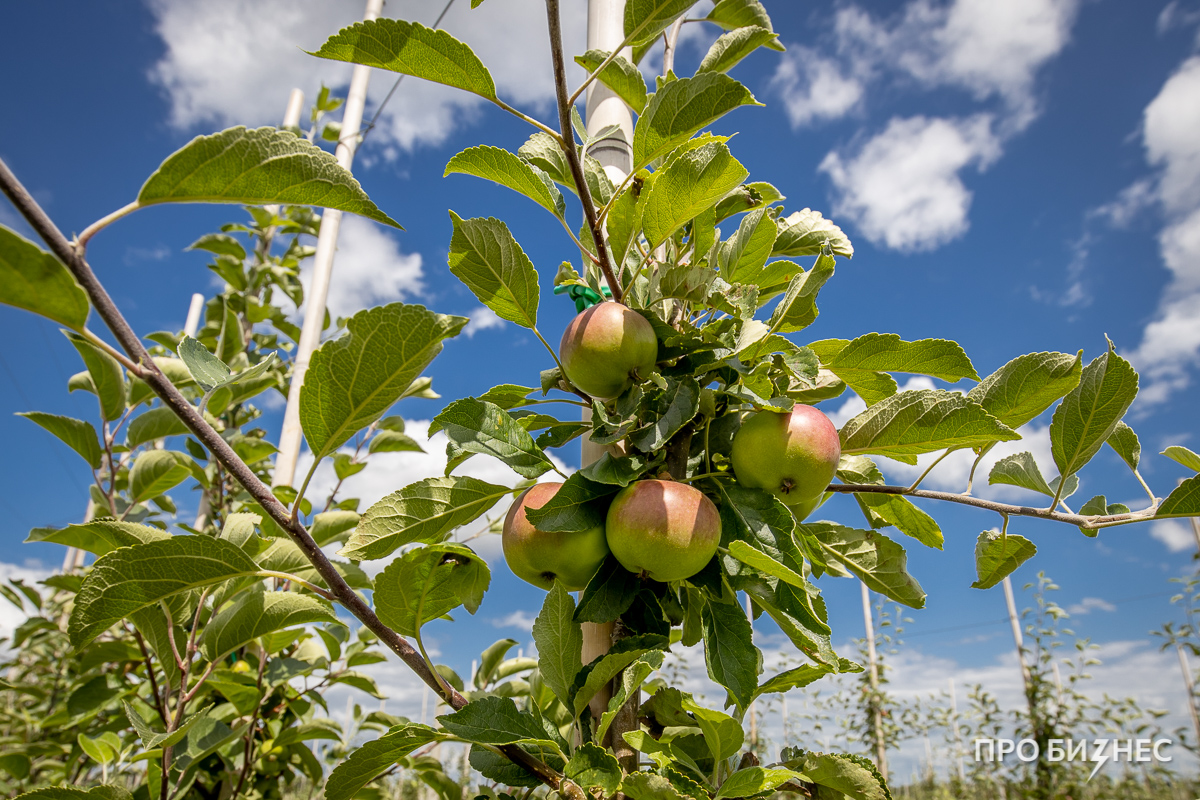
[(1017, 176)]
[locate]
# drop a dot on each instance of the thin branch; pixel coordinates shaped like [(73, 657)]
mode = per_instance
[(287, 576), (91, 230), (1089, 522), (112, 351), (225, 456), (567, 140), (535, 123)]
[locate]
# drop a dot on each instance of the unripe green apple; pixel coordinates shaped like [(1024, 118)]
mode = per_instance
[(605, 347), (792, 455), (664, 530), (541, 557)]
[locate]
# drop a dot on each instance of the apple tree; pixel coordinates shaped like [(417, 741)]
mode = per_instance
[(695, 376)]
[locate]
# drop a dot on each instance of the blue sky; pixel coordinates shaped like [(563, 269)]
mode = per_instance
[(1017, 176)]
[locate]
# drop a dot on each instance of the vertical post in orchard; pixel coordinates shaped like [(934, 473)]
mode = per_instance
[(873, 675), (958, 742), (291, 119), (318, 292), (605, 30), (1190, 686), (1015, 622)]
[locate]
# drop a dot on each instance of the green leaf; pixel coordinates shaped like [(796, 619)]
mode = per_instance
[(663, 413), (620, 75), (492, 720), (500, 166), (393, 442), (910, 423), (1183, 456), (851, 776), (753, 557), (154, 472), (798, 307), (474, 426), (32, 279), (683, 107), (647, 785), (807, 233), (485, 256), (631, 680), (507, 395), (886, 352), (108, 380), (256, 614), (99, 536), (604, 668), (741, 259), (722, 733), (608, 594), (618, 471), (490, 660), (645, 19), (730, 48), (878, 562), (255, 167), (354, 379), (687, 186), (1088, 415), (578, 505), (207, 370), (756, 780), (80, 436), (131, 578), (997, 555), (796, 678), (373, 758), (732, 14), (559, 640), (426, 511), (543, 151), (429, 582), (1026, 386), (151, 738), (411, 49), (729, 652), (220, 244), (157, 423), (592, 766), (1184, 501), (1021, 470)]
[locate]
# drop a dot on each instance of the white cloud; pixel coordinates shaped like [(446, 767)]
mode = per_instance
[(230, 62), (1176, 535), (520, 619), (368, 269), (1089, 604), (903, 187), (482, 319), (813, 87), (1170, 346)]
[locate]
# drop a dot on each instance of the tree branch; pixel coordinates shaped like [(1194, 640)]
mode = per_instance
[(568, 146), (224, 454), (1083, 521)]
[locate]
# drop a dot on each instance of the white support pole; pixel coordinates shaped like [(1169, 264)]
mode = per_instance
[(295, 107), (318, 292), (873, 675), (606, 30), (1190, 686), (958, 742), (1018, 640)]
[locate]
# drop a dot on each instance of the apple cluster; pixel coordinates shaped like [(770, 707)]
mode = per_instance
[(661, 529)]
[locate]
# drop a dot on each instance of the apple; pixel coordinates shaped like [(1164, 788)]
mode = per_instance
[(541, 557), (664, 530), (605, 348), (792, 455)]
